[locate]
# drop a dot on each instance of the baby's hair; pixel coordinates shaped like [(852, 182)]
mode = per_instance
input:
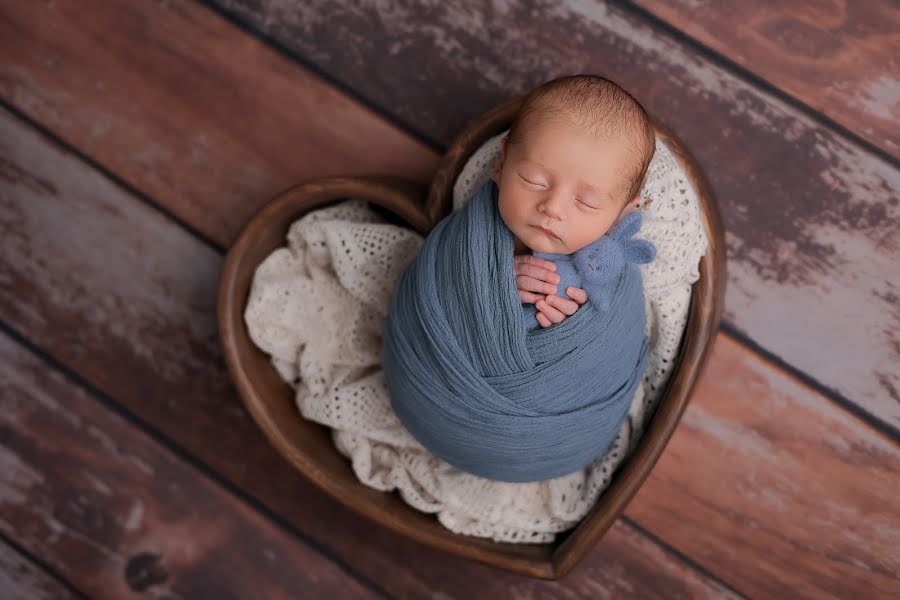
[(602, 108)]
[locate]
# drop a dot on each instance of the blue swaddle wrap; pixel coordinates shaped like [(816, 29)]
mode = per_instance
[(481, 391)]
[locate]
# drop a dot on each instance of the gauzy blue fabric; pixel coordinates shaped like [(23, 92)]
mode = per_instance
[(475, 387)]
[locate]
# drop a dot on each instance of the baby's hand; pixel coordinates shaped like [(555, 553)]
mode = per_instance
[(534, 274), (554, 309)]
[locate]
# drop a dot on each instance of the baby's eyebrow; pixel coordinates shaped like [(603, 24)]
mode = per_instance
[(601, 195), (534, 162)]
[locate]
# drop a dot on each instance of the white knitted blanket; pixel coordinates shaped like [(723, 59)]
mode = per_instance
[(318, 306)]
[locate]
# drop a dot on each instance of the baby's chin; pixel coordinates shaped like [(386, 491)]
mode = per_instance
[(537, 241)]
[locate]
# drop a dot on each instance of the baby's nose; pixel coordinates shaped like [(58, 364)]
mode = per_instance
[(551, 206)]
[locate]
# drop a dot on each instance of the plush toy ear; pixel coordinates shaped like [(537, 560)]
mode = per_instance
[(627, 225), (639, 251)]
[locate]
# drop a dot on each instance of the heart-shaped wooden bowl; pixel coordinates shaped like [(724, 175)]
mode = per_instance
[(308, 445)]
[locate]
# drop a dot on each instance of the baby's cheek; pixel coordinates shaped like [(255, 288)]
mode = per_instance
[(510, 214)]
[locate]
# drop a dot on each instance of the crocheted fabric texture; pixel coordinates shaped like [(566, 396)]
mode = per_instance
[(318, 307)]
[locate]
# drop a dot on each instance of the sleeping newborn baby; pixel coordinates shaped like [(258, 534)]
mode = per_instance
[(571, 165), (472, 384)]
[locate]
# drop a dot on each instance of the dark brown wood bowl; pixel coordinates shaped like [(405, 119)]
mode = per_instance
[(308, 445)]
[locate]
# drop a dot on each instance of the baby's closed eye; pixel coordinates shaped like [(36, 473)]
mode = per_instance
[(537, 183)]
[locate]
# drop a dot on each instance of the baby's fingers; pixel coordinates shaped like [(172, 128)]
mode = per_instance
[(543, 321), (577, 294), (551, 313), (525, 283), (542, 273), (567, 307), (530, 297), (530, 259)]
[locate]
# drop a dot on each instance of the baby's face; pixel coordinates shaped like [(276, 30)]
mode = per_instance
[(557, 177)]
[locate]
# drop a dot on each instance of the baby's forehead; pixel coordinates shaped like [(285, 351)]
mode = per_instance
[(537, 148), (536, 135), (604, 125)]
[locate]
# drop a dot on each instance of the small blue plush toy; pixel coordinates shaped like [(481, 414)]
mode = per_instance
[(595, 266)]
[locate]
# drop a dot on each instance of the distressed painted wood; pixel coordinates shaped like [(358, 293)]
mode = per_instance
[(627, 564), (125, 297), (21, 579), (148, 309), (175, 100), (807, 496), (839, 58), (813, 220), (117, 515), (117, 330)]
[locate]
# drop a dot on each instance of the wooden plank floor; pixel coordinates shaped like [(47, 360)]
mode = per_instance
[(136, 138)]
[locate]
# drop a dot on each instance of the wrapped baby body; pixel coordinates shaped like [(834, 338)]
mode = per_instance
[(478, 383)]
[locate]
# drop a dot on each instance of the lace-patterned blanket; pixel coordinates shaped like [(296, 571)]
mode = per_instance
[(318, 306)]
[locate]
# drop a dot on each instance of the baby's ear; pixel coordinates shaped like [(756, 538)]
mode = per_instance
[(633, 203)]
